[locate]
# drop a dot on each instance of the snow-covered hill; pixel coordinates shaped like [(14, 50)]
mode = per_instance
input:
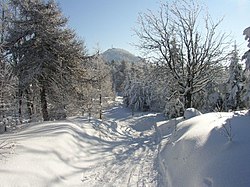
[(208, 150), (123, 150), (118, 55)]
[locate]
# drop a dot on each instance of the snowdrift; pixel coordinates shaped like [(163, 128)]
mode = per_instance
[(208, 150), (49, 154)]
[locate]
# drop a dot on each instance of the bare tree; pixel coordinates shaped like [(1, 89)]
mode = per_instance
[(183, 40)]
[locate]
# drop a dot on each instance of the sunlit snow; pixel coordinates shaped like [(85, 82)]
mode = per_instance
[(125, 150)]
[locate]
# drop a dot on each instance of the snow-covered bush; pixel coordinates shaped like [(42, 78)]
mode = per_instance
[(191, 112), (174, 107), (227, 130), (137, 88), (135, 97)]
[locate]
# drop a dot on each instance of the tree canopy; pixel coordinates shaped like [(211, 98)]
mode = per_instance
[(190, 51)]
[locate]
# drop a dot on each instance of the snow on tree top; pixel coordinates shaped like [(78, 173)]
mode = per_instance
[(246, 56), (247, 33)]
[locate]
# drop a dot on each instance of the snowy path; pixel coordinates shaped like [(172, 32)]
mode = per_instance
[(134, 149), (119, 150)]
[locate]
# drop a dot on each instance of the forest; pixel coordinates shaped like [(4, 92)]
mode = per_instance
[(47, 74), (178, 115)]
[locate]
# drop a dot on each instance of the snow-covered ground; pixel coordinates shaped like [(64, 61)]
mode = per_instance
[(121, 150), (115, 151), (209, 150)]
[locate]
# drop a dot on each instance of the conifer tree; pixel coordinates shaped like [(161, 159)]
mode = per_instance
[(235, 82), (7, 80), (246, 57), (45, 51)]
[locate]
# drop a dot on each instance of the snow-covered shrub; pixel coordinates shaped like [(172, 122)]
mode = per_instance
[(174, 108), (227, 130), (137, 90), (191, 112), (135, 97)]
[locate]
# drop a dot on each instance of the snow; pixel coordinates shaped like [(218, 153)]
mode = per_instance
[(191, 112), (119, 55), (200, 153), (48, 154), (125, 150), (246, 32), (246, 56), (114, 151)]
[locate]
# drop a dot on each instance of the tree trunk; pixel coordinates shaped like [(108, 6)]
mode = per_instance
[(20, 102), (30, 105), (100, 110), (188, 100), (44, 105)]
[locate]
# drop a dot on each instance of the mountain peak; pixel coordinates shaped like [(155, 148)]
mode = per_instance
[(118, 55)]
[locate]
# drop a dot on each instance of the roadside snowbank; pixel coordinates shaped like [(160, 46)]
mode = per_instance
[(200, 152), (49, 154)]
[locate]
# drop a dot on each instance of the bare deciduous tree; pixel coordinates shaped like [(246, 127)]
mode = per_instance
[(183, 40)]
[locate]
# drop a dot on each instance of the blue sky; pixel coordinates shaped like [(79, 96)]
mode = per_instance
[(109, 23)]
